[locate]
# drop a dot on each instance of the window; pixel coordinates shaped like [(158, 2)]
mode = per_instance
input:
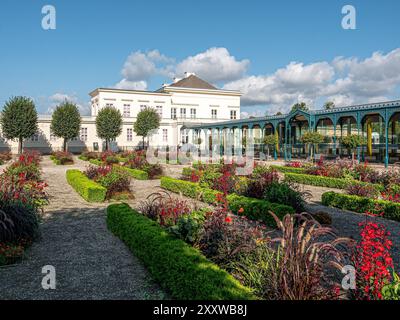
[(233, 114), (84, 134), (173, 113), (35, 137), (183, 113), (129, 134), (165, 135), (185, 136), (214, 113), (109, 104), (159, 111), (127, 110), (193, 113), (142, 107)]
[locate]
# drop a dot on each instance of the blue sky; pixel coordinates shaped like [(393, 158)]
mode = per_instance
[(275, 52)]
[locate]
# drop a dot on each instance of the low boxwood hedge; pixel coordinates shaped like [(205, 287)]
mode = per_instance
[(391, 210), (285, 169), (134, 173), (254, 209), (179, 268), (187, 171), (96, 162), (88, 189), (328, 182)]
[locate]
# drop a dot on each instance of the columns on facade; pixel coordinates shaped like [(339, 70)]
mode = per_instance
[(386, 138)]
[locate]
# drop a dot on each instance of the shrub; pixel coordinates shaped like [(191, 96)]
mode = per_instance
[(135, 173), (288, 169), (89, 155), (225, 238), (179, 268), (115, 182), (189, 227), (62, 158), (18, 221), (260, 181), (88, 189), (323, 181), (391, 210), (286, 193), (362, 190), (5, 156)]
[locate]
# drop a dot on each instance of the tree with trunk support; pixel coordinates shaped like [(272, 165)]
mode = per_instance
[(312, 138), (270, 141), (108, 124), (19, 119), (66, 122), (352, 142), (147, 120)]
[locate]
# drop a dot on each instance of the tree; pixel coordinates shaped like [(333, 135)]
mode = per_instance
[(66, 122), (312, 138), (108, 124), (278, 113), (329, 105), (147, 120), (19, 119), (352, 142), (270, 141), (300, 106)]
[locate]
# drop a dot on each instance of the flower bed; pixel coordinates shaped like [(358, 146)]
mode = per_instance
[(254, 209), (62, 158), (179, 268), (388, 209), (87, 188), (22, 198)]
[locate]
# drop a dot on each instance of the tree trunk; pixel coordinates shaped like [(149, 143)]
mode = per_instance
[(143, 142), (20, 140), (267, 152), (65, 145)]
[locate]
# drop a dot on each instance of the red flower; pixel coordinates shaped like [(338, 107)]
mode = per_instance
[(241, 210), (228, 219)]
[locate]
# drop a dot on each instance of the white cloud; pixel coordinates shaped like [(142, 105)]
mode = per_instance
[(131, 85), (214, 65), (56, 99), (344, 80)]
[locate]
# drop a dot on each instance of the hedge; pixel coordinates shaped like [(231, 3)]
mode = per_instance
[(285, 169), (179, 268), (134, 173), (254, 209), (328, 182), (88, 189), (96, 162), (391, 210), (187, 171)]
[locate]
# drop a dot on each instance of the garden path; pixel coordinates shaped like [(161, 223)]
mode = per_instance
[(90, 262)]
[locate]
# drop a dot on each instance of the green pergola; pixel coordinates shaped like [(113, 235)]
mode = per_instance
[(378, 122)]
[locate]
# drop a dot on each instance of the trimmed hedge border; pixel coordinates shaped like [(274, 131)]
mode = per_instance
[(362, 204), (254, 209), (88, 189), (285, 169), (328, 182), (179, 268), (134, 173), (58, 162)]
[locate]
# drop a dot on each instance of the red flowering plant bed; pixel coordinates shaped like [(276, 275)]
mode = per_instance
[(22, 198), (137, 160), (373, 261), (117, 182)]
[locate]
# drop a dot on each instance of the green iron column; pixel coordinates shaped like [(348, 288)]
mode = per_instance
[(386, 139)]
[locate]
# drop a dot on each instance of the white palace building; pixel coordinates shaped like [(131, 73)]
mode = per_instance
[(185, 102)]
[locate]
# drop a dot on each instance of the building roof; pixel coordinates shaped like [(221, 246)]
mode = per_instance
[(193, 82)]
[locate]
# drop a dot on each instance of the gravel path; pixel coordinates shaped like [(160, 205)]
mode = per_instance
[(90, 262)]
